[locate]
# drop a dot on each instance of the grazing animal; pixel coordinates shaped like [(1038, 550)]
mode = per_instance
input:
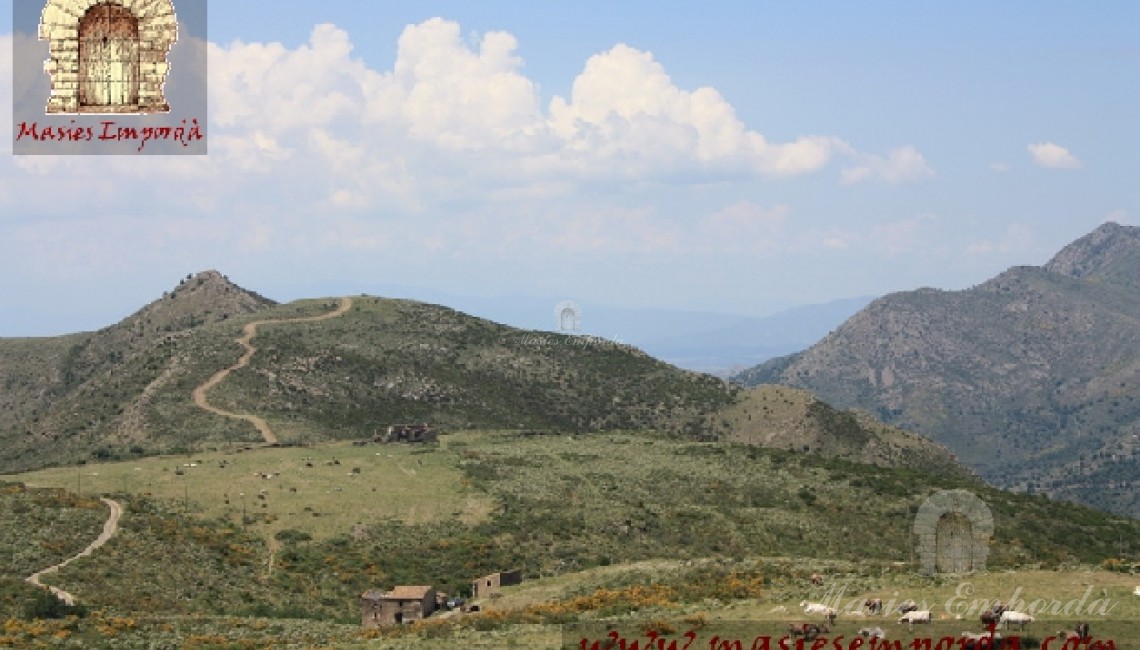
[(872, 632), (1136, 592), (874, 605), (816, 579), (1082, 632), (993, 617), (814, 608), (916, 616), (977, 640), (808, 631), (1016, 618), (907, 606)]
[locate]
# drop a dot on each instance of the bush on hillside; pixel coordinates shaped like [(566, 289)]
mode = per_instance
[(45, 605)]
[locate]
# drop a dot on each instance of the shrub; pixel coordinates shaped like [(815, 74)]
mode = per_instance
[(45, 605), (291, 535)]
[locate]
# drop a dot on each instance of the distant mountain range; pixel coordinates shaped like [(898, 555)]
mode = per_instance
[(725, 348), (1032, 378), (716, 343)]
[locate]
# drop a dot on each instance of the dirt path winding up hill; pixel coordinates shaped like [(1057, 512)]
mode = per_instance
[(248, 332), (110, 527)]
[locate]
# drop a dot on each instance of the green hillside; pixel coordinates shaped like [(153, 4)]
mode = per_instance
[(711, 516), (126, 391), (795, 420), (40, 528), (384, 362), (567, 502)]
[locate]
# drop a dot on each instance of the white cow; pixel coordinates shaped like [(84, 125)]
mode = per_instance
[(1017, 618), (814, 608), (916, 616)]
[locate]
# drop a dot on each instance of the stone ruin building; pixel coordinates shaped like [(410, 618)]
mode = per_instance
[(407, 433)]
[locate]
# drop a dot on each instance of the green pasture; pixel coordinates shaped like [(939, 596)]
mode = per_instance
[(321, 490), (1059, 598)]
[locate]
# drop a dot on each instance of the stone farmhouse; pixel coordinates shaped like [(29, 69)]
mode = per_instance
[(403, 604), (490, 584)]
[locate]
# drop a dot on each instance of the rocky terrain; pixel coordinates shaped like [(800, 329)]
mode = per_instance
[(1032, 378)]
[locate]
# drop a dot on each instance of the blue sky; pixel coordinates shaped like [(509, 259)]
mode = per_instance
[(733, 157)]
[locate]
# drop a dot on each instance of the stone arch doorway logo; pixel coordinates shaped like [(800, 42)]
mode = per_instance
[(108, 56), (568, 316), (954, 528)]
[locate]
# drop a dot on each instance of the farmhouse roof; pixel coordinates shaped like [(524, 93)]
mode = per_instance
[(408, 592)]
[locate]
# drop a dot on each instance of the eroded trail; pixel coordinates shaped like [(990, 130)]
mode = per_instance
[(248, 332), (110, 527)]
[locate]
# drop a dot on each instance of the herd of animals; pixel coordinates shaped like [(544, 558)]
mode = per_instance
[(999, 615)]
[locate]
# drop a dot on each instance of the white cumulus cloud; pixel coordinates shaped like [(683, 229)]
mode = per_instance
[(458, 97), (1053, 156), (313, 150), (624, 107)]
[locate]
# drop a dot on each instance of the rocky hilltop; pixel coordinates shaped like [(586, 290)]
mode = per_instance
[(1032, 378), (40, 372)]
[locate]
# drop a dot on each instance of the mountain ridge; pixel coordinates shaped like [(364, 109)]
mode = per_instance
[(67, 362), (1032, 378), (1110, 246), (126, 389)]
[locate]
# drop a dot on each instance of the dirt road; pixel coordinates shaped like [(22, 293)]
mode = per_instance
[(248, 332), (110, 527)]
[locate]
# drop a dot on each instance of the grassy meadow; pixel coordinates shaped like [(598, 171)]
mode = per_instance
[(558, 612), (630, 529), (322, 490)]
